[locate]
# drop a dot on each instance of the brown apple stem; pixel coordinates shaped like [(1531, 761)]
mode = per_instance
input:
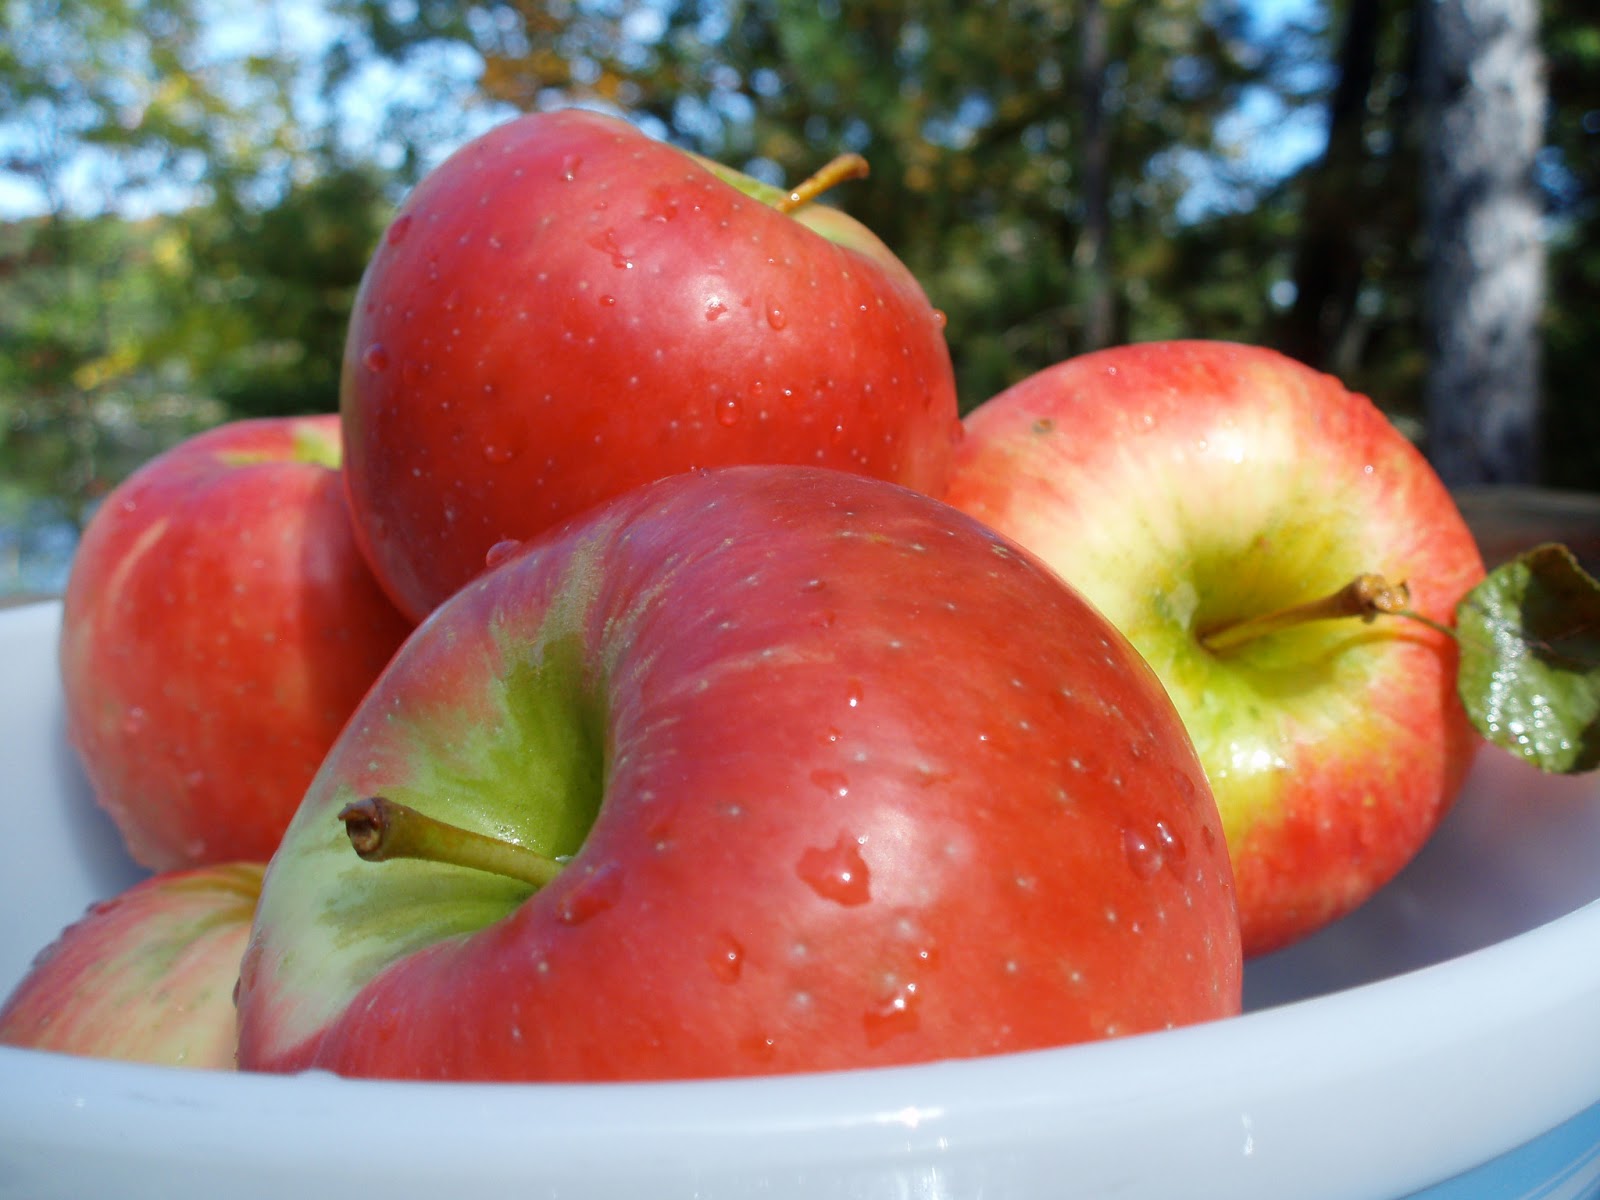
[(381, 829), (845, 167), (1365, 596)]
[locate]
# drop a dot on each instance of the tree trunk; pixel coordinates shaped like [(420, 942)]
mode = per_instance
[(1327, 266), (1094, 241), (1485, 89)]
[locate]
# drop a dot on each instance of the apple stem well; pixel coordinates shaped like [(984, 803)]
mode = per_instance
[(840, 169), (1366, 596), (382, 829)]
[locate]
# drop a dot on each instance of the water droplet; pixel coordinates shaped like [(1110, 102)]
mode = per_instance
[(376, 357), (569, 167), (608, 301), (500, 551), (607, 242), (853, 693), (1172, 847), (715, 308), (776, 317), (895, 1016), (833, 782), (398, 230), (1145, 855), (726, 959), (824, 618), (133, 722), (836, 872), (728, 412), (595, 892), (940, 320)]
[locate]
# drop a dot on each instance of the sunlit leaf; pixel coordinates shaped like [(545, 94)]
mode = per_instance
[(1530, 659)]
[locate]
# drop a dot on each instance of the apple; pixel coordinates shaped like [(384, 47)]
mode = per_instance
[(218, 627), (1199, 493), (147, 976), (762, 769), (566, 308)]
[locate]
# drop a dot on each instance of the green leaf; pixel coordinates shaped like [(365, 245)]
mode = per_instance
[(1530, 660)]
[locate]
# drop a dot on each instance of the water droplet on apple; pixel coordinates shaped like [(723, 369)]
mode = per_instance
[(1172, 846), (837, 873), (896, 1016), (500, 551), (376, 357), (939, 318), (833, 782), (853, 694), (595, 892), (569, 167), (607, 242), (133, 722), (727, 959), (1144, 853), (398, 230), (776, 318), (728, 412), (715, 308), (608, 301)]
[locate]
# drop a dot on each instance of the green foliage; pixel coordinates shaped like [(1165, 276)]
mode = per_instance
[(996, 134)]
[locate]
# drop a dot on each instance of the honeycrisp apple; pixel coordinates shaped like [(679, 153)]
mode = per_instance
[(1211, 499), (566, 308), (146, 976), (219, 626), (762, 769)]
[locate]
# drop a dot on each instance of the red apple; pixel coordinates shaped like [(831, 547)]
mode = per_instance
[(567, 308), (814, 771), (147, 976), (1190, 487), (219, 626)]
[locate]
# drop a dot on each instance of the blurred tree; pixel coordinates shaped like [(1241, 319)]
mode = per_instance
[(1569, 172), (1483, 77)]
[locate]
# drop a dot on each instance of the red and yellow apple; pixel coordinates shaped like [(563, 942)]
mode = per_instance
[(795, 770), (219, 626), (147, 976), (1188, 488), (567, 308)]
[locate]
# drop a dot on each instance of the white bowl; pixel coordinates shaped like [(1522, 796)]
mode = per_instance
[(1443, 1040)]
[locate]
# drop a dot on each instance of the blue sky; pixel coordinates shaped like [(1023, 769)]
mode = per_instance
[(1271, 141)]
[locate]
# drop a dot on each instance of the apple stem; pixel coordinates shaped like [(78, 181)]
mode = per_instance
[(382, 829), (1365, 596), (845, 167)]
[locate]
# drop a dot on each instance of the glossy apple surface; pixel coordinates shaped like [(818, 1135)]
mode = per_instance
[(1184, 485), (219, 626), (146, 976), (845, 779), (567, 308)]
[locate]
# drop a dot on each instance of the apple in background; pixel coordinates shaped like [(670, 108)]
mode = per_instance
[(815, 772), (1185, 487), (147, 976), (219, 626), (567, 308)]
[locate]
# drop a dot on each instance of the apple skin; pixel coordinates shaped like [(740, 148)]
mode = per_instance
[(1178, 484), (567, 308), (147, 976), (218, 628), (867, 785)]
